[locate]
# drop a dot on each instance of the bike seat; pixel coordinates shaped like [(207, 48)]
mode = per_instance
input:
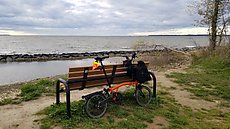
[(100, 58)]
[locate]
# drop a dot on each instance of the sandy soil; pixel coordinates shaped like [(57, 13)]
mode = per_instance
[(182, 96), (23, 116), (159, 122)]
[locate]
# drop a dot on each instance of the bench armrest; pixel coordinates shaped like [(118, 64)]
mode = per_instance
[(67, 90), (62, 81)]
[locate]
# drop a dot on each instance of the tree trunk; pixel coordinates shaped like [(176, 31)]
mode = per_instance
[(212, 42)]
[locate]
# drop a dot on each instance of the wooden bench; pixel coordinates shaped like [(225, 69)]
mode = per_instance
[(84, 77)]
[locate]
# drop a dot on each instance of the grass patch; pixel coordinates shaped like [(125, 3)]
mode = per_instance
[(10, 101), (117, 116), (32, 91), (131, 116), (6, 101), (207, 78)]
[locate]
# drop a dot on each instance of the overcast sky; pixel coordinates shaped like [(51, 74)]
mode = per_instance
[(97, 17)]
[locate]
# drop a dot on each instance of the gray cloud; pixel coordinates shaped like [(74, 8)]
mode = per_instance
[(88, 17)]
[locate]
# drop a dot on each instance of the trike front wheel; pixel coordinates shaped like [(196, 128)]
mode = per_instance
[(95, 106), (143, 95)]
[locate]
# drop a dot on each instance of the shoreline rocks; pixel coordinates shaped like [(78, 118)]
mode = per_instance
[(64, 56), (73, 56)]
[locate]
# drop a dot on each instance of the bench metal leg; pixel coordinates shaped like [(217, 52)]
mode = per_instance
[(68, 102), (154, 85), (58, 92), (68, 109)]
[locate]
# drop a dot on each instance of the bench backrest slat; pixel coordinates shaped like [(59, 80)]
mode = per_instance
[(90, 67), (95, 72), (99, 82)]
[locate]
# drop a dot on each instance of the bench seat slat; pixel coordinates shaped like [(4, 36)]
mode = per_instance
[(99, 82)]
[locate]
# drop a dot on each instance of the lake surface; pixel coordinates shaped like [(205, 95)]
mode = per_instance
[(16, 72), (63, 44), (25, 71)]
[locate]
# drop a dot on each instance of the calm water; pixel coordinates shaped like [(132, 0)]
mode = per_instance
[(60, 44), (25, 71)]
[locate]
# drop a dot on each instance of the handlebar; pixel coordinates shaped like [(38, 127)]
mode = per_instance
[(101, 58), (133, 56)]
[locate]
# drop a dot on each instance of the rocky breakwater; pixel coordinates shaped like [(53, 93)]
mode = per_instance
[(73, 56), (59, 56)]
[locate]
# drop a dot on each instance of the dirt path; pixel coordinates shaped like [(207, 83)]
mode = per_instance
[(22, 116), (182, 96)]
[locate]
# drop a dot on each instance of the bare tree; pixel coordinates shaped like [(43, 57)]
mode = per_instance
[(215, 14)]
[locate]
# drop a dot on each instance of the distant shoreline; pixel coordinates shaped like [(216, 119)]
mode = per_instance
[(187, 35), (113, 35), (5, 35), (180, 35)]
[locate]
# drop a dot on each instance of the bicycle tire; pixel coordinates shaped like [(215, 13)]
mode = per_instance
[(143, 95), (94, 108)]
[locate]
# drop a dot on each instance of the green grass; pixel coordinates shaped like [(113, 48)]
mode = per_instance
[(6, 101), (118, 116), (208, 78), (129, 115), (32, 91)]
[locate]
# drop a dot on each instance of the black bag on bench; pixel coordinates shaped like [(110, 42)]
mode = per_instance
[(141, 72), (138, 72)]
